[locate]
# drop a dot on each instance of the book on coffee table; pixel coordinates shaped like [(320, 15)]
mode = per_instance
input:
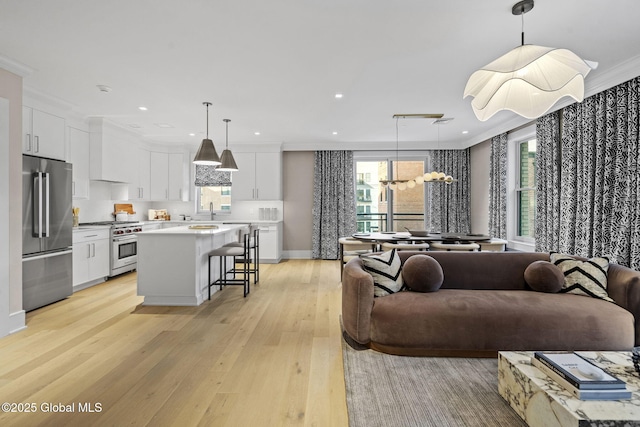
[(580, 377)]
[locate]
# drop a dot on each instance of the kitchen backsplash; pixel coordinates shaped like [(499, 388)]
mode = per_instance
[(103, 197)]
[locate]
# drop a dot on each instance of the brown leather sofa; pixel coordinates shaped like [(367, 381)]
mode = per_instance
[(483, 306)]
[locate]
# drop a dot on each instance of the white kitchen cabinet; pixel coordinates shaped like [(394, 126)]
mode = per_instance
[(79, 158), (42, 134), (270, 242), (140, 175), (112, 154), (168, 177), (159, 176), (259, 176), (90, 257), (178, 177)]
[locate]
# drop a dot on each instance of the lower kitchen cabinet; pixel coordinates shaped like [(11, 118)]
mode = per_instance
[(90, 257), (270, 242)]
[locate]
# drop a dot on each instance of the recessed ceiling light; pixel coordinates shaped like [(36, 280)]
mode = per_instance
[(104, 88), (335, 132), (338, 95), (143, 108), (164, 125), (464, 132), (256, 133), (192, 134)]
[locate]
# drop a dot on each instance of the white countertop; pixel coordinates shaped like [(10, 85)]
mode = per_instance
[(90, 227), (215, 221), (185, 230)]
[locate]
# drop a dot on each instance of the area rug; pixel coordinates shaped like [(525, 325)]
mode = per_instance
[(386, 390)]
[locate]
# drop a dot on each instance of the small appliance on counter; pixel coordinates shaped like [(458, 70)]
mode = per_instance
[(159, 214), (121, 211)]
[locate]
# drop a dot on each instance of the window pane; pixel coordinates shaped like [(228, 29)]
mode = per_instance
[(526, 213), (527, 164), (219, 196), (371, 201), (408, 205)]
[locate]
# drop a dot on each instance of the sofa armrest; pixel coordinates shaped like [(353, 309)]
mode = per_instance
[(623, 285), (357, 301)]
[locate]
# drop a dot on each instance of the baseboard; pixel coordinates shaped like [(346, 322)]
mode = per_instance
[(296, 254), (17, 322)]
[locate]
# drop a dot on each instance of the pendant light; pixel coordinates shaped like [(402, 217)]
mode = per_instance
[(207, 154), (396, 184), (528, 80), (228, 162)]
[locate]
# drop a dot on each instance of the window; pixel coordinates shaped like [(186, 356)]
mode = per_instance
[(219, 196), (380, 209), (525, 189)]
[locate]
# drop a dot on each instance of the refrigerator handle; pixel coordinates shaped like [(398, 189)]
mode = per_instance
[(37, 205), (47, 204)]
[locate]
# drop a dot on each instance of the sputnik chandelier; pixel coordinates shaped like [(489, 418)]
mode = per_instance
[(528, 80)]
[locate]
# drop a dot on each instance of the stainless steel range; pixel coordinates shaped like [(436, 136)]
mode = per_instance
[(124, 245)]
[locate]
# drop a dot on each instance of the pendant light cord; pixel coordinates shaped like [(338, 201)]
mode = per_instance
[(397, 168), (522, 16)]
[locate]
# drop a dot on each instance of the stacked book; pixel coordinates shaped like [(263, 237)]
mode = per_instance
[(582, 378)]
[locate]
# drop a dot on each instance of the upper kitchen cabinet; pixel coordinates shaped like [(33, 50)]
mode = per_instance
[(113, 153), (159, 176), (79, 157), (140, 175), (259, 176), (168, 177), (178, 178), (42, 134)]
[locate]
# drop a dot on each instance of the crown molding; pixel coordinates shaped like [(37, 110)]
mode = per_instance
[(15, 67)]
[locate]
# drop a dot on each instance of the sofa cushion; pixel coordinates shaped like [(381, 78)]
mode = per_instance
[(386, 270), (544, 276), (422, 273), (583, 277)]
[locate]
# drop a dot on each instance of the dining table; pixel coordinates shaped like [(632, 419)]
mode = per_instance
[(405, 236)]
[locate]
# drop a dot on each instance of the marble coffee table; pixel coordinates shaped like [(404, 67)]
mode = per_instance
[(541, 402)]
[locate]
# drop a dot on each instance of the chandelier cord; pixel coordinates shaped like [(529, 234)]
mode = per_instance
[(397, 168), (522, 26)]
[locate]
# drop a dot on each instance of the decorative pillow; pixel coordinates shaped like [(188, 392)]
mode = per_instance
[(544, 276), (422, 273), (386, 269), (583, 277)]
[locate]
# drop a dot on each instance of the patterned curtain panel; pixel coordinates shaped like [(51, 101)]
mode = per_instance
[(209, 176), (448, 205), (498, 187), (599, 177), (334, 202), (547, 223)]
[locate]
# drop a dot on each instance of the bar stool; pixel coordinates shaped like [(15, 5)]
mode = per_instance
[(405, 246), (254, 245), (468, 247), (244, 253)]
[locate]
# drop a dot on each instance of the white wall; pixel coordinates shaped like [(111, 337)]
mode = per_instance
[(12, 317)]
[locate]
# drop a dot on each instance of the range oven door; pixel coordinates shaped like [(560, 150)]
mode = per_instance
[(124, 254)]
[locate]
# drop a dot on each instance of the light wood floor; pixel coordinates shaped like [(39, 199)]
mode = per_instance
[(272, 359)]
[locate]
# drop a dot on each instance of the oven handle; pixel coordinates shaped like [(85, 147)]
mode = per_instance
[(124, 239)]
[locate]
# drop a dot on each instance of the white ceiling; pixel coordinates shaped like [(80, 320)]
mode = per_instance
[(274, 66)]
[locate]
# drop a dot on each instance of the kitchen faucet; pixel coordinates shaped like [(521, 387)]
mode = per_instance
[(211, 209)]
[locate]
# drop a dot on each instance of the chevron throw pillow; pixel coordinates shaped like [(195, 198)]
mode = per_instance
[(583, 277), (386, 270)]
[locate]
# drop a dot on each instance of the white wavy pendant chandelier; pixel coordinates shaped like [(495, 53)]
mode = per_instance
[(528, 80)]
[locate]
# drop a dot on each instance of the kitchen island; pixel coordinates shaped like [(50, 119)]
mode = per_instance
[(173, 262)]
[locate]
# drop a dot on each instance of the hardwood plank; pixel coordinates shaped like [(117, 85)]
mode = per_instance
[(273, 358)]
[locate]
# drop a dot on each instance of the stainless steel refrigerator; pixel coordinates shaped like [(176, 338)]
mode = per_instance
[(47, 223)]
